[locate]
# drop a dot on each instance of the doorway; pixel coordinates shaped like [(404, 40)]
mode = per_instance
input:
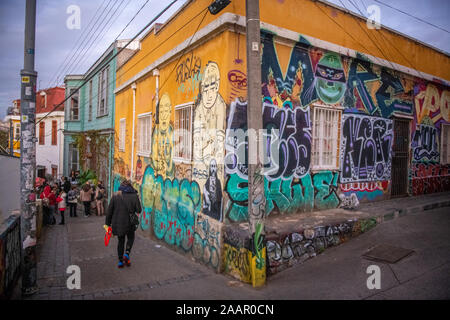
[(400, 154)]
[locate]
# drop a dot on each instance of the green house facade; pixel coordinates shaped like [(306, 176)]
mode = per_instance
[(89, 115)]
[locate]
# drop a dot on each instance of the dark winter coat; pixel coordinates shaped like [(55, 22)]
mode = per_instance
[(122, 203), (67, 186)]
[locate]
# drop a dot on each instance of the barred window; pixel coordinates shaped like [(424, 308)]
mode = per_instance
[(144, 134), (325, 138), (183, 132)]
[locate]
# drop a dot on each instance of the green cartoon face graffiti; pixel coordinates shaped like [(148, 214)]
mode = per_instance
[(330, 78)]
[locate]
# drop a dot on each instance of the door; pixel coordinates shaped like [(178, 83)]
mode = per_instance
[(400, 153)]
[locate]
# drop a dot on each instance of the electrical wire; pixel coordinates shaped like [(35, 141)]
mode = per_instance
[(109, 60), (412, 16), (65, 65)]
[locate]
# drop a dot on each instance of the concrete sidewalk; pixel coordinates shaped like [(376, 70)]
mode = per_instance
[(157, 272)]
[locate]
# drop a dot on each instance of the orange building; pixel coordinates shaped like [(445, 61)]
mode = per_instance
[(361, 115)]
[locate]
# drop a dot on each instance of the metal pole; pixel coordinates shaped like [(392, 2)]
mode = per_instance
[(11, 138), (28, 155), (256, 197)]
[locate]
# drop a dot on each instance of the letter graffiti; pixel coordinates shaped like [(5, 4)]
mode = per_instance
[(173, 205), (365, 148), (285, 196), (425, 144), (189, 68)]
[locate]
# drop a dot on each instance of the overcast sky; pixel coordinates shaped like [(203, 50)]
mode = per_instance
[(55, 42)]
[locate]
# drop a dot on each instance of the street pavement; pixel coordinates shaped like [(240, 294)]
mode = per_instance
[(158, 272)]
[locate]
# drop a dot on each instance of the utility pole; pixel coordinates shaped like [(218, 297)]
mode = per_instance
[(256, 196), (28, 155), (11, 138)]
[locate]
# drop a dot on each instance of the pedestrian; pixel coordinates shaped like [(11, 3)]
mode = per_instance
[(99, 197), (85, 197), (49, 202), (61, 200), (121, 216), (72, 200)]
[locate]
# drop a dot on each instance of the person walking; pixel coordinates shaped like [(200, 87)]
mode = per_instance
[(86, 198), (99, 197), (123, 206), (61, 200), (49, 201), (72, 200)]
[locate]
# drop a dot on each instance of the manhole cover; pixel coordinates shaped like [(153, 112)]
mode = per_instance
[(387, 253)]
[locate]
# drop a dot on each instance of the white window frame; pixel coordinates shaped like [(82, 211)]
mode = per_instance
[(90, 101), (445, 144), (122, 133), (330, 135), (72, 148), (144, 136), (188, 134), (77, 94), (103, 92)]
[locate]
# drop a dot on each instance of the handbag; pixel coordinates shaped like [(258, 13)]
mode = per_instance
[(134, 220)]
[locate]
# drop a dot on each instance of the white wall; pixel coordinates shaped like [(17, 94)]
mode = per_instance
[(48, 154), (9, 185)]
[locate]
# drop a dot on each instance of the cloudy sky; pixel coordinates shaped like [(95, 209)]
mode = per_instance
[(101, 21)]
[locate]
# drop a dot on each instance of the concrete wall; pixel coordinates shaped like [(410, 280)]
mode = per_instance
[(9, 186)]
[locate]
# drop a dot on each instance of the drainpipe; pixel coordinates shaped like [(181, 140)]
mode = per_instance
[(133, 86), (156, 74)]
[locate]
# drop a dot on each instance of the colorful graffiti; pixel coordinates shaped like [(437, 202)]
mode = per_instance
[(237, 263), (429, 178), (171, 206), (207, 242), (365, 148), (425, 144), (368, 191), (285, 196), (238, 81), (188, 75)]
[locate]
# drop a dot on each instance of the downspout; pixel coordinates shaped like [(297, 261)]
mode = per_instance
[(133, 86), (156, 74)]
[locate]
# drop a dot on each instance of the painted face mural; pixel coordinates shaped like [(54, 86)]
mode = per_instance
[(330, 77), (212, 193), (162, 140), (210, 85)]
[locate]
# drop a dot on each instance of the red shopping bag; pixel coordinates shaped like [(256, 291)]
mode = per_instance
[(107, 235)]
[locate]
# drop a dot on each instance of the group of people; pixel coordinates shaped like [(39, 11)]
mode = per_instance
[(64, 195), (122, 214)]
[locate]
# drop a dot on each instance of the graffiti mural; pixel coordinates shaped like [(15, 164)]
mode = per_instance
[(369, 191), (170, 207), (429, 178), (330, 78), (285, 196), (365, 148), (207, 241), (188, 75), (238, 81), (162, 140), (212, 193), (209, 119), (425, 144)]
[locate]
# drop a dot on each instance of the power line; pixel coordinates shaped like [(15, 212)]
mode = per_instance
[(142, 7), (389, 42), (410, 15), (129, 68), (109, 60), (104, 32), (72, 70), (89, 30), (368, 36)]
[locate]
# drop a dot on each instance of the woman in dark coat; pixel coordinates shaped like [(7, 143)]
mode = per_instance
[(123, 203)]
